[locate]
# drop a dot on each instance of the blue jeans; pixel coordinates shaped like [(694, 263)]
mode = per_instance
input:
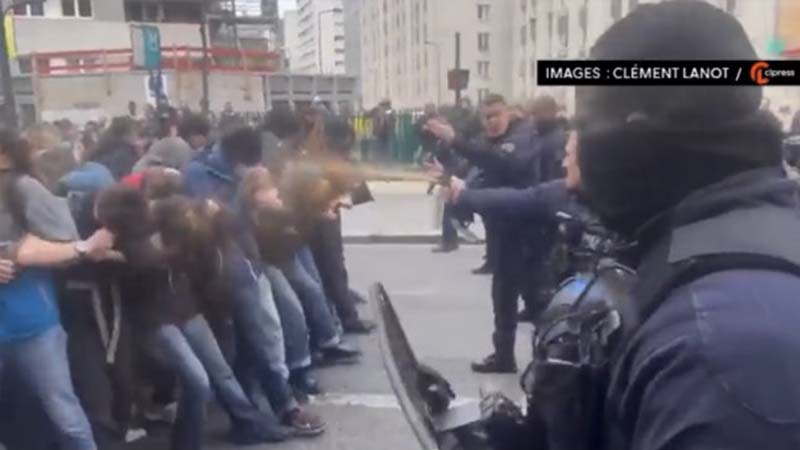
[(192, 351), (258, 328), (293, 319), (321, 321), (42, 364)]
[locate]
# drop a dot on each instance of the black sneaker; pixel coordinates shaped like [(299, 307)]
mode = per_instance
[(485, 269), (491, 364), (342, 354), (359, 326), (302, 380), (445, 248)]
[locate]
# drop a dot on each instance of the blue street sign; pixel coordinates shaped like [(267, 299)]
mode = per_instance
[(146, 46)]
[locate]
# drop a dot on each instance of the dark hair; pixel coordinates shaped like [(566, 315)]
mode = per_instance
[(194, 125), (243, 146), (18, 151), (493, 99), (283, 123), (339, 135), (124, 211)]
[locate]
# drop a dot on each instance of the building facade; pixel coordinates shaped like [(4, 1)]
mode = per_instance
[(408, 47), (291, 39), (320, 38), (566, 29)]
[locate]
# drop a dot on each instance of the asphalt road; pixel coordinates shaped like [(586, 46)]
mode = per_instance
[(446, 313)]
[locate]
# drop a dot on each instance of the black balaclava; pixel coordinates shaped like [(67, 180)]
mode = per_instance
[(643, 149)]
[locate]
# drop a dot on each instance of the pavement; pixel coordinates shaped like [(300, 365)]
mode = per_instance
[(446, 313), (402, 213)]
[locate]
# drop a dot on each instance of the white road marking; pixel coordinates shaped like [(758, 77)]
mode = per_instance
[(374, 401)]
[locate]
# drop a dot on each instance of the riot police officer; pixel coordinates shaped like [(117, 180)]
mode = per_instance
[(694, 175), (507, 156)]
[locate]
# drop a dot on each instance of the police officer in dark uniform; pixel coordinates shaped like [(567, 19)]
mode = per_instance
[(507, 156), (693, 174)]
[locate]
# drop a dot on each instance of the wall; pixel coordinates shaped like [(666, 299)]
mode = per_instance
[(66, 34), (90, 96), (107, 10)]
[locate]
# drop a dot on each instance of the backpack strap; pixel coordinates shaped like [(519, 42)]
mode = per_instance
[(765, 237)]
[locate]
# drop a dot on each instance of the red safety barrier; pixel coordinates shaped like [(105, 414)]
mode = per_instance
[(183, 58)]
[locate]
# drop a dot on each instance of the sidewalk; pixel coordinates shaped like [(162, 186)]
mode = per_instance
[(402, 213)]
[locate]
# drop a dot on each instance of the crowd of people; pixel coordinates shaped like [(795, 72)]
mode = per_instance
[(184, 267)]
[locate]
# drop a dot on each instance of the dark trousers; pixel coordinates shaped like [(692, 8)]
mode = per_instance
[(104, 380), (328, 250), (491, 243), (449, 232), (506, 288)]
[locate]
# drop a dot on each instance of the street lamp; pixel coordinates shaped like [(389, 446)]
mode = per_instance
[(438, 70), (319, 33), (10, 103)]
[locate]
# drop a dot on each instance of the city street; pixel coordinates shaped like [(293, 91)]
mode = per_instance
[(446, 313)]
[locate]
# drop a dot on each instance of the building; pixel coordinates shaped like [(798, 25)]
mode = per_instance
[(408, 47), (352, 40), (352, 37), (291, 39), (566, 29), (321, 38)]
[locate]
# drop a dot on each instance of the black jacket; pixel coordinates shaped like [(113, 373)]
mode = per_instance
[(511, 160), (715, 365)]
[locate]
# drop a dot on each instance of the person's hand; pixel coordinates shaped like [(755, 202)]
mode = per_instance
[(434, 169), (441, 130), (457, 187), (100, 245), (7, 271)]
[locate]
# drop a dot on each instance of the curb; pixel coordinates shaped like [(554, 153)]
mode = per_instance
[(431, 239)]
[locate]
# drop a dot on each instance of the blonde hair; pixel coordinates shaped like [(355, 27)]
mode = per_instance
[(255, 179)]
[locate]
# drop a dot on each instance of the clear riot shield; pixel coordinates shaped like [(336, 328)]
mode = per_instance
[(436, 426)]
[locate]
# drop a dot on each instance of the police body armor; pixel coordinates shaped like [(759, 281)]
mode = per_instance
[(596, 311)]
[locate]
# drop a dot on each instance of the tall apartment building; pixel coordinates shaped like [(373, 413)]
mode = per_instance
[(566, 29), (291, 38), (407, 48), (320, 37)]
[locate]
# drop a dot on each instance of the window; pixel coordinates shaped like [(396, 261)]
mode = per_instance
[(730, 6), (523, 36), (533, 70), (29, 10), (482, 94), (616, 9), (483, 69), (523, 4), (563, 31), (76, 8), (483, 42), (483, 13), (532, 27)]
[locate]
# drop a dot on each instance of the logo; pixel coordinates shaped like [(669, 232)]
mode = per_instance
[(757, 73)]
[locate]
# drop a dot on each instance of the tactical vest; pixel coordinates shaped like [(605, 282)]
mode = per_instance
[(575, 349)]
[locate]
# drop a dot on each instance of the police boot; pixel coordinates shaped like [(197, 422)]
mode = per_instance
[(495, 364)]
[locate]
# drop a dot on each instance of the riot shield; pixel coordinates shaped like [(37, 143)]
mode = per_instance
[(449, 429)]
